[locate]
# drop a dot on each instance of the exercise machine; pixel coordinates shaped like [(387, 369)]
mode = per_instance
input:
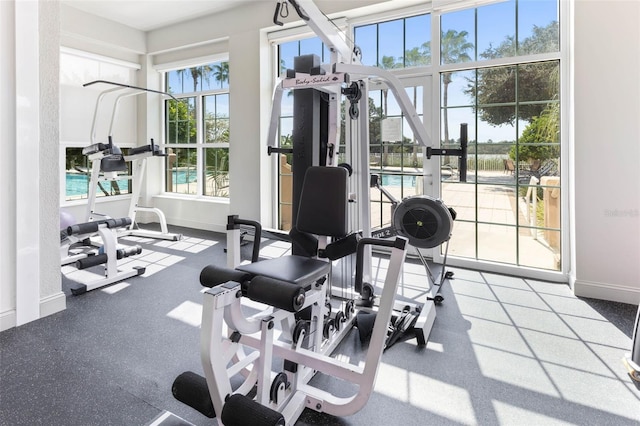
[(107, 255), (108, 161), (346, 77), (426, 222), (294, 330), (268, 326)]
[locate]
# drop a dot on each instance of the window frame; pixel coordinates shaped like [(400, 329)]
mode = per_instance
[(200, 144)]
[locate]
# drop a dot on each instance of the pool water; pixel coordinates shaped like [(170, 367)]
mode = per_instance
[(77, 184), (184, 176), (398, 180)]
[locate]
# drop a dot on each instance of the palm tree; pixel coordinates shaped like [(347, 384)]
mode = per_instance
[(196, 73), (453, 47), (387, 63), (221, 72)]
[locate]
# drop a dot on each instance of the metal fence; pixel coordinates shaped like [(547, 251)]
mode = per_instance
[(487, 163)]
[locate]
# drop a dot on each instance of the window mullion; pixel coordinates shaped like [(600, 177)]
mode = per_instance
[(200, 143)]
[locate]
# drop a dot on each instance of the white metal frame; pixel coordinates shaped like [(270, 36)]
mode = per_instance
[(138, 162), (223, 353), (109, 241), (338, 74)]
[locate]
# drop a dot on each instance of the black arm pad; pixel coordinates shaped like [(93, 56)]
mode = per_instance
[(341, 248)]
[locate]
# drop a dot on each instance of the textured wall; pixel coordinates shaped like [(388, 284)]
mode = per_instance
[(7, 163), (607, 149), (49, 23)]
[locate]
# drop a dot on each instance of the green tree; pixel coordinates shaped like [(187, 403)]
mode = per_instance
[(537, 142), (454, 48), (199, 73), (534, 82), (182, 122), (387, 63)]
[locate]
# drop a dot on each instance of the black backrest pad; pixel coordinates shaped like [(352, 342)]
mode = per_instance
[(323, 202)]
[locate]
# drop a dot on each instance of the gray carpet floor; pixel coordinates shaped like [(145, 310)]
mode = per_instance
[(503, 351)]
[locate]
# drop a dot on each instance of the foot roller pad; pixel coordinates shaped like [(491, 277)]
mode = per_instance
[(191, 389), (240, 410)]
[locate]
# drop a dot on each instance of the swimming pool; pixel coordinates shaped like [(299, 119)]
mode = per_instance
[(184, 176), (407, 181), (77, 184)]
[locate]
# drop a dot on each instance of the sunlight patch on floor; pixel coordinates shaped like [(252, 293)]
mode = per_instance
[(187, 312)]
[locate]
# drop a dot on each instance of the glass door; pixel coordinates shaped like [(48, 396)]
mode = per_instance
[(508, 210)]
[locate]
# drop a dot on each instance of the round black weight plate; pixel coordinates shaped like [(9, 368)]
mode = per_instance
[(327, 305), (425, 221), (301, 325), (329, 328), (338, 320), (280, 379), (349, 309)]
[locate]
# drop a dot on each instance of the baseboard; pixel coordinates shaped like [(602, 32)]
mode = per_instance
[(7, 319), (197, 225), (52, 304), (48, 306), (606, 291)]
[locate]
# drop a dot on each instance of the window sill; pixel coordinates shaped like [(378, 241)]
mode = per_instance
[(99, 200), (186, 197)]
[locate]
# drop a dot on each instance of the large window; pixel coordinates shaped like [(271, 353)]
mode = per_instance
[(509, 210), (401, 43), (497, 69), (197, 130)]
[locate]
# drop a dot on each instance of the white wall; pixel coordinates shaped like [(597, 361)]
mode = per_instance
[(606, 125), (7, 165), (30, 285)]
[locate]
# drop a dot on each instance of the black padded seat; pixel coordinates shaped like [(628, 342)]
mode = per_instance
[(299, 270)]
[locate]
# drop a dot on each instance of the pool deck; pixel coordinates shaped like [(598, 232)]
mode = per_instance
[(498, 211)]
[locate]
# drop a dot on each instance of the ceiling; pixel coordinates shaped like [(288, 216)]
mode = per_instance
[(147, 15)]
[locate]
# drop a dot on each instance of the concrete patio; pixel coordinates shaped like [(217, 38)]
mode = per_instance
[(499, 235)]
